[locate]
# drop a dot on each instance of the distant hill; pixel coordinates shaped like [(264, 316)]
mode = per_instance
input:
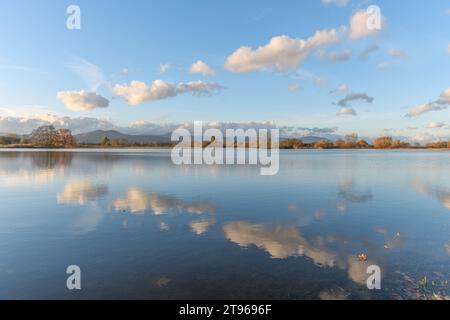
[(94, 137), (312, 139)]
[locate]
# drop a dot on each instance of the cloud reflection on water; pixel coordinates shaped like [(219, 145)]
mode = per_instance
[(81, 192), (441, 193), (283, 242), (137, 201)]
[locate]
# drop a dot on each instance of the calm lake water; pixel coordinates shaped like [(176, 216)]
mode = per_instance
[(140, 227)]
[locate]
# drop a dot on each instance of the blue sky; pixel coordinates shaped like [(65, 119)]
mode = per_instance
[(123, 41)]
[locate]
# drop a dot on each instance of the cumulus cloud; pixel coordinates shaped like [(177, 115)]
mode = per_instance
[(300, 132), (281, 53), (163, 67), (346, 112), (399, 54), (421, 138), (82, 100), (339, 3), (202, 68), (138, 92), (435, 125), (354, 97), (339, 56), (424, 138), (444, 98), (359, 25), (442, 103), (24, 125)]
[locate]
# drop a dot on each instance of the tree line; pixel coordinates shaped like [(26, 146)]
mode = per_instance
[(50, 137), (353, 142)]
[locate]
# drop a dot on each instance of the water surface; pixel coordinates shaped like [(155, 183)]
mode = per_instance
[(140, 227)]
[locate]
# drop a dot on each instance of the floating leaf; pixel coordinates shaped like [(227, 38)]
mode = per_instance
[(163, 282)]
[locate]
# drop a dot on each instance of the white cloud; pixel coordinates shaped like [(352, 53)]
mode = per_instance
[(138, 92), (202, 68), (448, 49), (25, 124), (399, 54), (444, 98), (281, 53), (163, 68), (435, 125), (422, 138), (442, 103), (346, 112), (82, 100), (339, 3), (359, 26)]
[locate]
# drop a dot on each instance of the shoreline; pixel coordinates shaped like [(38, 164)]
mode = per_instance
[(84, 147)]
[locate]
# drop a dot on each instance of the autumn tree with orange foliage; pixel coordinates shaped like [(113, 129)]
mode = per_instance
[(323, 144), (49, 137), (64, 139), (383, 143), (291, 144), (389, 143)]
